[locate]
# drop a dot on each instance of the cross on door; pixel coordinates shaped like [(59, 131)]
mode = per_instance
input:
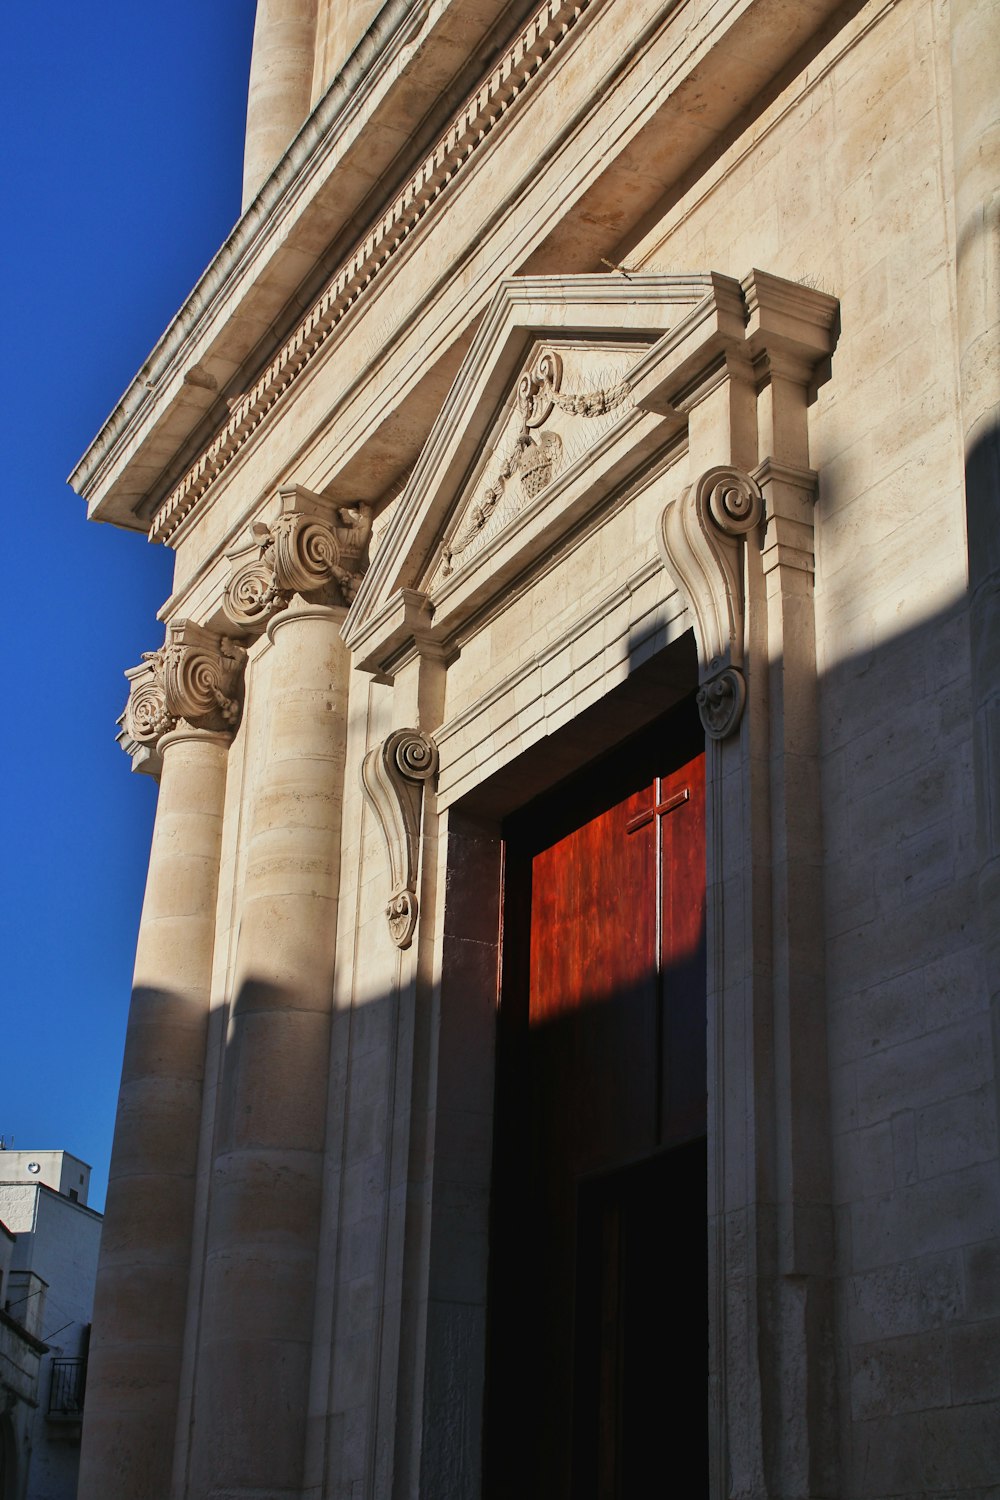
[(666, 805), (680, 880)]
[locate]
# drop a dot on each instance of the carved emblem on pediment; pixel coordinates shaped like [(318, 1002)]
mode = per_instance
[(195, 677), (540, 460), (534, 453), (313, 548)]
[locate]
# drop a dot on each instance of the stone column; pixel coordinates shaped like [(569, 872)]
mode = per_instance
[(253, 1363), (132, 1386), (281, 70), (975, 61)]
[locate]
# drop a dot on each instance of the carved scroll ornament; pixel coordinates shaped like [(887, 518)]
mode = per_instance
[(393, 776), (701, 539), (313, 549), (195, 677)]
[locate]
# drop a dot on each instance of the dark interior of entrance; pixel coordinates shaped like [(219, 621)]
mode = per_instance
[(597, 1364)]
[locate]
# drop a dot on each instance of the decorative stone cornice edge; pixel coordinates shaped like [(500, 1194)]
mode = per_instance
[(376, 54), (481, 112), (406, 620), (195, 677), (392, 777), (701, 536)]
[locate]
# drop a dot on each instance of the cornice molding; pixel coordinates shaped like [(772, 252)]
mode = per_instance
[(404, 621), (376, 56), (506, 82)]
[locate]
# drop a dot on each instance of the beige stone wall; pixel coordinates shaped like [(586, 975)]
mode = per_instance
[(845, 182)]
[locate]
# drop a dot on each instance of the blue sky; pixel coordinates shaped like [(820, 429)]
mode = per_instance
[(121, 177)]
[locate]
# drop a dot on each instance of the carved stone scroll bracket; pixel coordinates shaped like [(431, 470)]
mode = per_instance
[(314, 548), (537, 389), (701, 536), (393, 776), (196, 678)]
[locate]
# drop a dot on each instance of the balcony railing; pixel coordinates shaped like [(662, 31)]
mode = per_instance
[(66, 1388)]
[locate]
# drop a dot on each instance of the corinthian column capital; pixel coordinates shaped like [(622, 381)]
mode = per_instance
[(314, 548), (194, 678), (144, 719)]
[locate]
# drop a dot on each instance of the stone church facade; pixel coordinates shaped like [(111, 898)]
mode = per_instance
[(571, 924)]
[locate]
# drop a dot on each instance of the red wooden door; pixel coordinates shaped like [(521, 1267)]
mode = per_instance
[(601, 1069)]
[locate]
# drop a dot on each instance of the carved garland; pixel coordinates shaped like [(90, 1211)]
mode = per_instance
[(393, 776), (701, 539), (301, 553), (534, 461), (195, 677)]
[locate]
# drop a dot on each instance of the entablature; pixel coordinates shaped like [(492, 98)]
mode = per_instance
[(407, 68), (262, 311)]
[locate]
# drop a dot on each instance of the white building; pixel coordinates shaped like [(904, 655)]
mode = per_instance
[(20, 1356), (49, 1291), (58, 1170)]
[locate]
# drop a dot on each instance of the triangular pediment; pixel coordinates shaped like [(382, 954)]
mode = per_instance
[(549, 377)]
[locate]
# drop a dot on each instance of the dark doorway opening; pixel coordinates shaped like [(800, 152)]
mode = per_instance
[(597, 1357), (641, 1349)]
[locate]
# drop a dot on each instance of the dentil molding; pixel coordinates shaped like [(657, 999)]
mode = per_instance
[(393, 775), (701, 537), (505, 85)]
